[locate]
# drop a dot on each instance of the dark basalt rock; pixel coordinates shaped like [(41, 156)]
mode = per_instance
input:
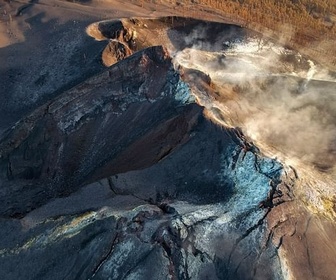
[(109, 124), (136, 124)]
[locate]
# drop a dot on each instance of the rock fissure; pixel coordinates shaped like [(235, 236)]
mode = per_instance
[(304, 237), (103, 260)]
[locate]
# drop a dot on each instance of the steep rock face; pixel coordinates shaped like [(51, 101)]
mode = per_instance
[(306, 241), (81, 134), (191, 203), (194, 215)]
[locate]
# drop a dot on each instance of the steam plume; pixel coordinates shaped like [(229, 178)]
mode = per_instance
[(276, 95)]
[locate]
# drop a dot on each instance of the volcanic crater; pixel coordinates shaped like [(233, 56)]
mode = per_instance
[(158, 166)]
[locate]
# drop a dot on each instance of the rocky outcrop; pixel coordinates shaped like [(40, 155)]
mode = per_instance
[(195, 214), (91, 130), (121, 40), (126, 36), (193, 187)]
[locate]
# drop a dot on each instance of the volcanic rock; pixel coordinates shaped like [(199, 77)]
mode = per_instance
[(126, 176)]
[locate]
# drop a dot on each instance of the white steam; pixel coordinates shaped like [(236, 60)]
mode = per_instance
[(278, 97)]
